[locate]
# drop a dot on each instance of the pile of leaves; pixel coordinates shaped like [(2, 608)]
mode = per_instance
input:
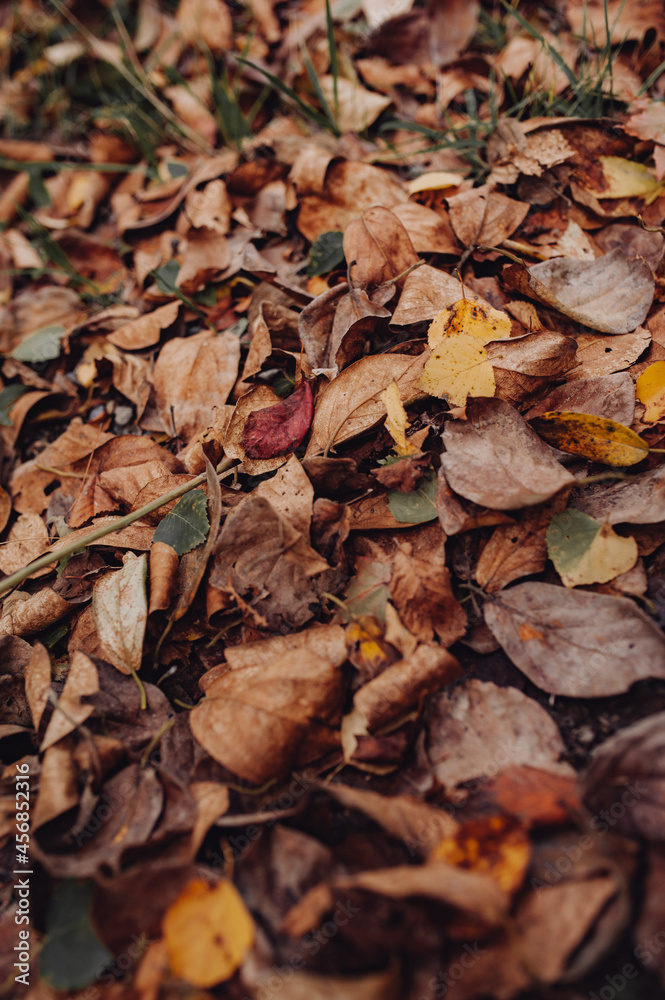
[(333, 500)]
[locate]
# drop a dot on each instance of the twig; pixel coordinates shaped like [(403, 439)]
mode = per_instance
[(122, 522)]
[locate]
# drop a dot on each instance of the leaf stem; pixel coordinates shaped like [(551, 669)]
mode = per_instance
[(122, 522)]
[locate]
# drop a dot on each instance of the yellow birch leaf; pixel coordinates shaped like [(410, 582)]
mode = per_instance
[(596, 438), (208, 931), (469, 318), (434, 180), (585, 552), (650, 389), (396, 422), (459, 367), (627, 179)]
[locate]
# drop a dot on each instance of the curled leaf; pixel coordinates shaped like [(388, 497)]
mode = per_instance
[(277, 429)]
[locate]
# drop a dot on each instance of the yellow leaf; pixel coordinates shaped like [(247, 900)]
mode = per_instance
[(397, 423), (208, 931), (470, 318), (650, 389), (596, 438), (459, 367), (435, 180), (497, 846), (627, 179), (585, 552)]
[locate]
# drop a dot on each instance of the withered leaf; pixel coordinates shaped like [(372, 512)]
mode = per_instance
[(261, 720), (626, 776), (639, 500), (495, 459), (612, 294), (262, 558), (577, 644), (377, 248), (280, 428)]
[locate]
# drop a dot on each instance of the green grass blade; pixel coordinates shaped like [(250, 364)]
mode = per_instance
[(306, 111)]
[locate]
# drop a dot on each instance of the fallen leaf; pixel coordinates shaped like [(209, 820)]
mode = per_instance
[(518, 549), (459, 367), (261, 719), (120, 608), (32, 613), (38, 682), (495, 459), (596, 355), (82, 681), (275, 430), (349, 189), (421, 590), (650, 390), (640, 500), (479, 729), (628, 179), (186, 526), (208, 931), (584, 551), (377, 248), (416, 507), (576, 644), (399, 687), (352, 403), (624, 777), (206, 22), (27, 539), (358, 107), (595, 438), (611, 294), (146, 330), (191, 377), (260, 557), (497, 846), (610, 396)]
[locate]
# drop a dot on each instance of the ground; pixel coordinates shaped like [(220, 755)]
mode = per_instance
[(332, 569)]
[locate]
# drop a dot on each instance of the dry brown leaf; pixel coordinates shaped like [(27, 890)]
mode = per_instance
[(577, 644), (205, 22), (261, 558), (146, 330), (191, 377), (28, 614), (483, 216), (262, 720), (352, 403), (542, 354), (480, 729), (82, 681), (495, 459), (517, 550), (349, 189), (164, 564), (596, 355), (27, 539), (631, 760), (377, 248), (610, 396), (38, 682), (290, 493), (394, 691), (640, 500), (611, 294), (427, 291), (358, 107), (421, 590), (120, 611), (430, 232)]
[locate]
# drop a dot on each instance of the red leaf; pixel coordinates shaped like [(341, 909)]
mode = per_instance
[(279, 428)]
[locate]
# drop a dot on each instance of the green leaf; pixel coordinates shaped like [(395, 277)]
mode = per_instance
[(416, 507), (42, 345), (166, 277), (8, 397), (72, 955), (187, 525), (585, 552), (326, 254)]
